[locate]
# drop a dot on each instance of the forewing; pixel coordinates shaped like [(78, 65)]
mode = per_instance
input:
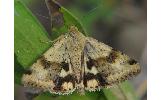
[(105, 66), (52, 72)]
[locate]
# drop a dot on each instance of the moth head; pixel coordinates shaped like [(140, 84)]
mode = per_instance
[(74, 32), (73, 29)]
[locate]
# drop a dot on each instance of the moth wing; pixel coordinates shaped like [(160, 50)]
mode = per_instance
[(105, 66), (52, 72)]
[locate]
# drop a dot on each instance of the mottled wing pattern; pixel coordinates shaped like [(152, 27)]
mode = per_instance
[(78, 62), (52, 72), (106, 66)]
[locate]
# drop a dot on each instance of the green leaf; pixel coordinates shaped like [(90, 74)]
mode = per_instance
[(123, 91), (29, 35)]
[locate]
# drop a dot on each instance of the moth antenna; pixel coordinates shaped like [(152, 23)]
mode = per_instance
[(90, 11)]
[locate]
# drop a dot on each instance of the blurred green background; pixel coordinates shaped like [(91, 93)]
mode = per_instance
[(122, 24)]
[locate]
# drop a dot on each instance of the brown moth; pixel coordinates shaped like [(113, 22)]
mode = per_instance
[(76, 62)]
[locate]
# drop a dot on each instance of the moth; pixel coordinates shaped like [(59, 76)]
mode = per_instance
[(76, 62)]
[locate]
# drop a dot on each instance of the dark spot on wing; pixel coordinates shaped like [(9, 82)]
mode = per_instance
[(90, 63), (65, 66), (132, 62), (29, 72), (99, 77), (45, 63), (87, 77), (112, 56), (58, 81)]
